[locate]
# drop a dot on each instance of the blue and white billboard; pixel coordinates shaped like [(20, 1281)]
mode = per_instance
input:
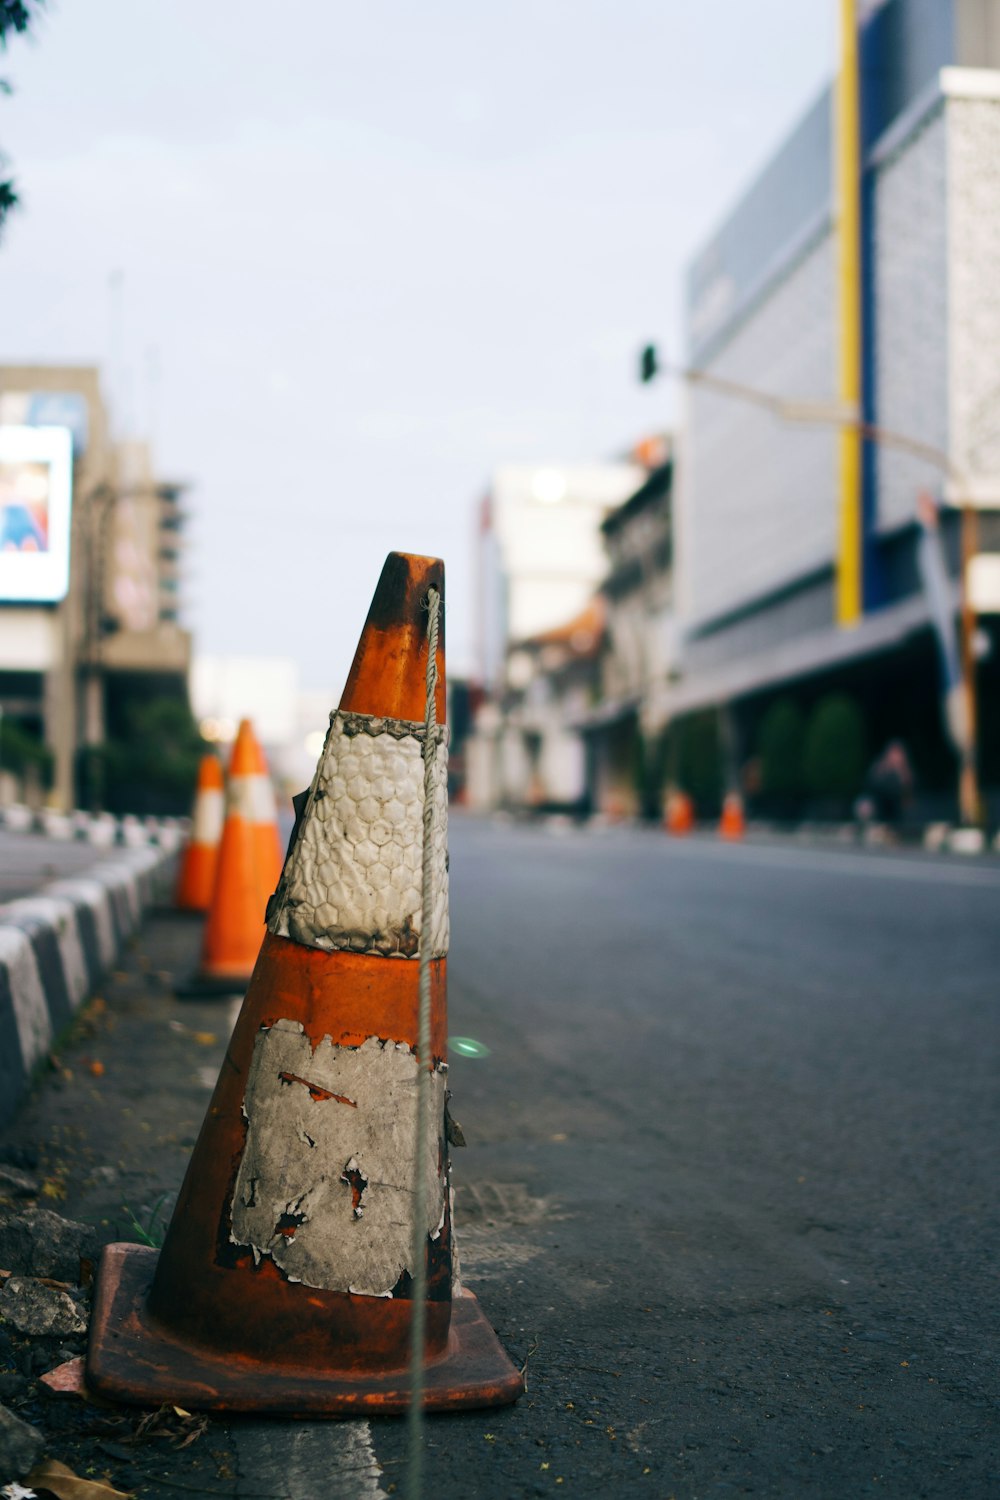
[(36, 487)]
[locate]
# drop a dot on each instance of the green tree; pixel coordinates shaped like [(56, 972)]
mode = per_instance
[(23, 753), (835, 752), (780, 745), (697, 759), (153, 767), (16, 16)]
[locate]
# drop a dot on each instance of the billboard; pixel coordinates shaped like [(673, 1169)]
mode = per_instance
[(36, 481), (48, 409)]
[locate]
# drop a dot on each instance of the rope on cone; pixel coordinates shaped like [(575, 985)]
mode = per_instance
[(424, 1062)]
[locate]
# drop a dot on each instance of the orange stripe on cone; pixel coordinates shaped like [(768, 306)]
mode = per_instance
[(197, 867), (285, 1280)]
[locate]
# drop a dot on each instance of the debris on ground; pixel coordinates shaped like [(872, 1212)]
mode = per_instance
[(15, 1183), (54, 1478), (39, 1242), (33, 1307), (20, 1445)]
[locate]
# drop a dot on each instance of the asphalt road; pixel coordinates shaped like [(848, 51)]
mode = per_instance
[(731, 1185)]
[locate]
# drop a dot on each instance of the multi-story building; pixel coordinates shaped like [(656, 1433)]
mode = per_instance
[(798, 556), (540, 550), (541, 559), (624, 727), (76, 650), (580, 698)]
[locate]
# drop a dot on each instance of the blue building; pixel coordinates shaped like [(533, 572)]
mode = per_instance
[(761, 502)]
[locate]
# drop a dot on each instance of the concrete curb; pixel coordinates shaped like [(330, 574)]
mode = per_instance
[(55, 947), (103, 830)]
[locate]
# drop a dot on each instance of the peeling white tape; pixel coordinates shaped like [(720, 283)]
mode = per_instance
[(325, 1183), (353, 877)]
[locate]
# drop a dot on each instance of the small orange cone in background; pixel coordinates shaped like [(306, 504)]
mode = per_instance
[(285, 1282), (200, 857), (679, 818), (732, 824), (256, 796), (235, 921)]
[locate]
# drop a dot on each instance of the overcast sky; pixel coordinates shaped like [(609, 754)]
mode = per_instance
[(369, 252)]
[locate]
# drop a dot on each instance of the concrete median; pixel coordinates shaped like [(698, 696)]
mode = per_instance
[(55, 947)]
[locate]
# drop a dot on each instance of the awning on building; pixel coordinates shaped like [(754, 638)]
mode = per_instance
[(603, 715), (799, 656)]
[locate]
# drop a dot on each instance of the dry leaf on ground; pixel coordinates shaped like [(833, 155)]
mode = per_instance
[(54, 1478)]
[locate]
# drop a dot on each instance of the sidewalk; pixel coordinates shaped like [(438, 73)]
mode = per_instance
[(66, 912)]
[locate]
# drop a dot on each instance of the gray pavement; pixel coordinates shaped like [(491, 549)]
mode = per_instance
[(730, 1187)]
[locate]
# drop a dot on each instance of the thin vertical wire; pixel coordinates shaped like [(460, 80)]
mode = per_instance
[(418, 1314)]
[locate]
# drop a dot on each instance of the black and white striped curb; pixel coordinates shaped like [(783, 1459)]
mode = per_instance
[(55, 947), (101, 829)]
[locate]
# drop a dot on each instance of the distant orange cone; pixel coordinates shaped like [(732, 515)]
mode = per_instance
[(199, 859), (679, 818), (287, 1276), (732, 824), (235, 922), (256, 796)]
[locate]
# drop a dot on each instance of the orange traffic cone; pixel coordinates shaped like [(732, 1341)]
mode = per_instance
[(234, 926), (679, 818), (256, 795), (200, 857), (732, 824), (285, 1282)]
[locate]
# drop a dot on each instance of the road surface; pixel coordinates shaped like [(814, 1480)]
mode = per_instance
[(731, 1185)]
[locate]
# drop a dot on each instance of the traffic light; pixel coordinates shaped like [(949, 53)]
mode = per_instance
[(648, 368)]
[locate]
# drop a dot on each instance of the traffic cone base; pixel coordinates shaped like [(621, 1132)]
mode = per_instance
[(135, 1359)]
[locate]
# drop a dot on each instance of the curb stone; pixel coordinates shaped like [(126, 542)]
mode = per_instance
[(55, 947)]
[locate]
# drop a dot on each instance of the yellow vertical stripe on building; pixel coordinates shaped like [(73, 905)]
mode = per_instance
[(848, 210)]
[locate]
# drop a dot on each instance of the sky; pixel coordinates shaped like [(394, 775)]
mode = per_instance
[(366, 254)]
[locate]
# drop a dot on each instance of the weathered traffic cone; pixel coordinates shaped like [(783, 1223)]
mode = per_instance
[(256, 796), (235, 922), (201, 854), (285, 1280), (732, 823), (679, 817)]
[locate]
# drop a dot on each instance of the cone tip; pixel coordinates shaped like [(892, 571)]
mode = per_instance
[(387, 675), (209, 773)]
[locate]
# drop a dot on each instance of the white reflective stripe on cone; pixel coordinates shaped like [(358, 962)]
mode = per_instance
[(251, 798), (353, 878), (209, 812)]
